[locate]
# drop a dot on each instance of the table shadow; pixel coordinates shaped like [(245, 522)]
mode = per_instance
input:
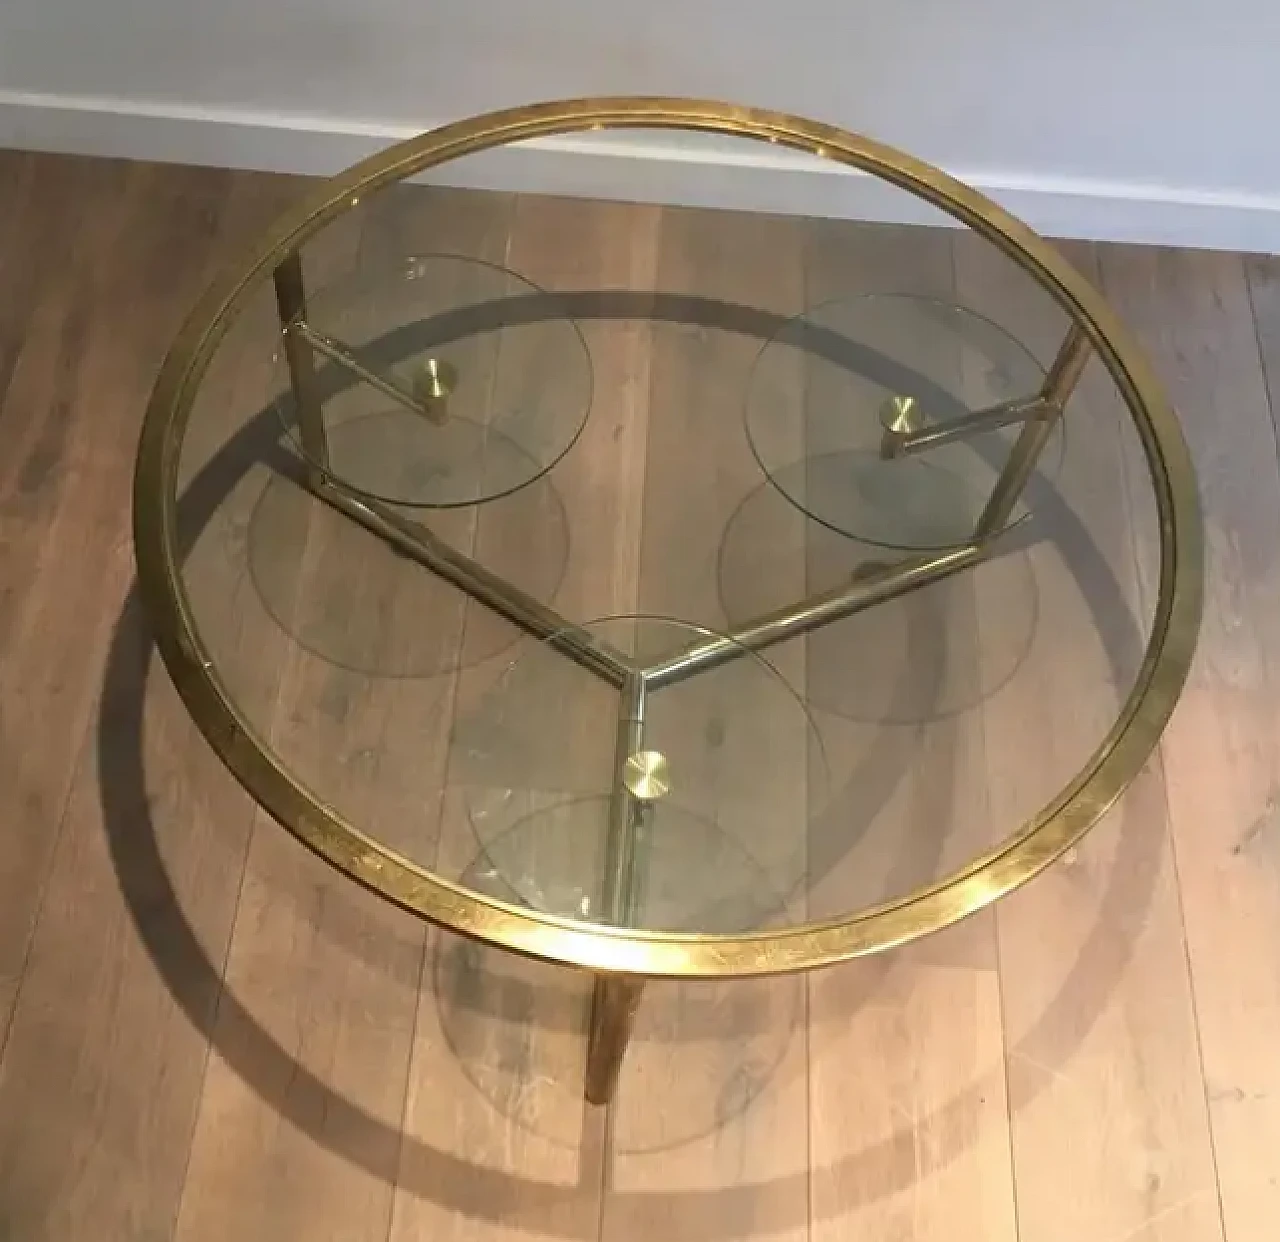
[(355, 1135)]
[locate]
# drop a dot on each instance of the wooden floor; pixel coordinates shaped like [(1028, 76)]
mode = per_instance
[(206, 1034)]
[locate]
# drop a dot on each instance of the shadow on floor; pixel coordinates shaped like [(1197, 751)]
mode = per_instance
[(355, 1135)]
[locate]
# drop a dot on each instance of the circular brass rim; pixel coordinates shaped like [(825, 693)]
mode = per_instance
[(1115, 763)]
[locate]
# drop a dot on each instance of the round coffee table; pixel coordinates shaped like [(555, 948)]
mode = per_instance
[(605, 767)]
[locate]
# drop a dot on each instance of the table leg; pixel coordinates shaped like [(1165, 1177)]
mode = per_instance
[(626, 811), (291, 302), (614, 998), (1059, 384), (614, 1001)]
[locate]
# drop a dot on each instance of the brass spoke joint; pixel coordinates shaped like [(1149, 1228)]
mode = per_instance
[(432, 386)]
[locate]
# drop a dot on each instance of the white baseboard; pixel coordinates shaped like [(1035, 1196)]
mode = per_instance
[(640, 167)]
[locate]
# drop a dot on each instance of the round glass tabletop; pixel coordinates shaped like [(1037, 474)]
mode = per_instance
[(431, 391), (871, 364), (847, 705)]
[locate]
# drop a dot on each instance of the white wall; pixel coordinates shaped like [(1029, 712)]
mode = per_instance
[(1151, 119)]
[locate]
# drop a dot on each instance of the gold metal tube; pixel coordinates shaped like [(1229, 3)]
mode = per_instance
[(614, 1001), (625, 810), (614, 998), (902, 444), (1067, 367), (1013, 478), (1059, 383), (340, 353), (531, 615), (291, 302), (844, 601)]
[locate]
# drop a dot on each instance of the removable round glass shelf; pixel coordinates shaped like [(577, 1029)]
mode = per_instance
[(502, 388), (821, 392), (721, 844), (696, 876)]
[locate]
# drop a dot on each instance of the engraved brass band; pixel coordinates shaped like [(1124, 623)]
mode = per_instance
[(612, 949)]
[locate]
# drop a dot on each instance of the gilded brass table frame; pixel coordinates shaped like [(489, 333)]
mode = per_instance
[(620, 956)]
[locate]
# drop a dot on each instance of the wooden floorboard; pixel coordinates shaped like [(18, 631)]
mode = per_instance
[(206, 1033), (497, 1075), (909, 1131), (102, 1070), (1193, 314), (299, 1126), (728, 1160), (1101, 1044), (48, 660)]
